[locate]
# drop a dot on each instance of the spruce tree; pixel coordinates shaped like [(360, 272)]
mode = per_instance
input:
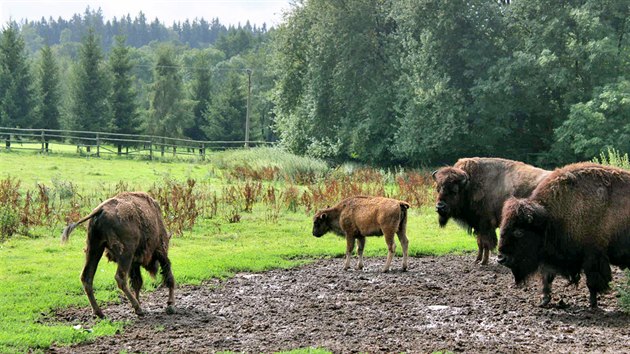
[(17, 90), (123, 98), (170, 113), (90, 108), (49, 90)]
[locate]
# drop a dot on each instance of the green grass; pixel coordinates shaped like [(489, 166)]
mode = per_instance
[(39, 275)]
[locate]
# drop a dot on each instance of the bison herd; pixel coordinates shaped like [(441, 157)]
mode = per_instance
[(566, 222)]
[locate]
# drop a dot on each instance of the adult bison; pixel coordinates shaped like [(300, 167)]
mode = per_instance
[(130, 228), (361, 216), (577, 219), (473, 192)]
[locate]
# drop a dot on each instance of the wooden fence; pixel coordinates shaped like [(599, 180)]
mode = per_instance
[(98, 143)]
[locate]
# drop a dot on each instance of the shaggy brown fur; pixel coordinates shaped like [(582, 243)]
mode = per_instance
[(130, 228), (358, 217), (473, 192), (577, 219)]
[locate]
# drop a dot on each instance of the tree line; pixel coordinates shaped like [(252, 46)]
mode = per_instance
[(428, 81), (165, 88), (411, 82)]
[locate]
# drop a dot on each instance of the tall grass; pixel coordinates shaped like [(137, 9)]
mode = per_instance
[(271, 163), (613, 157)]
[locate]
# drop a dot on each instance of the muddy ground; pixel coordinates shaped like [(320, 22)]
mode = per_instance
[(441, 303)]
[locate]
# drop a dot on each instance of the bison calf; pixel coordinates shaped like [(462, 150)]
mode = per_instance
[(358, 217), (473, 192), (577, 219), (130, 228)]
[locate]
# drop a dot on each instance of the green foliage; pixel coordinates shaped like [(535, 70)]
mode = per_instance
[(285, 165), (17, 89), (613, 157), (225, 114), (170, 112), (601, 124), (49, 90), (521, 80), (91, 88), (125, 118)]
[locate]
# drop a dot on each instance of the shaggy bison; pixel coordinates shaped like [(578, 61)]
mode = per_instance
[(358, 217), (473, 192), (130, 228), (577, 219)]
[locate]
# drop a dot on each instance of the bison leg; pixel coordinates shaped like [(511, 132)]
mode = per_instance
[(486, 242), (349, 249), (479, 249), (391, 249), (94, 253), (135, 276), (360, 248), (404, 243), (169, 281), (598, 276), (547, 280), (124, 266)]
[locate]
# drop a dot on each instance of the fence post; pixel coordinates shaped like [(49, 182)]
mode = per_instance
[(202, 152), (98, 146), (151, 149), (8, 141), (43, 142)]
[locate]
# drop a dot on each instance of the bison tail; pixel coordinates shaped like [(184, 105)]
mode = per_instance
[(66, 232), (403, 215)]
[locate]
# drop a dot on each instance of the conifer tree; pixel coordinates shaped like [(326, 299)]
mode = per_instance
[(49, 90), (90, 108), (17, 89)]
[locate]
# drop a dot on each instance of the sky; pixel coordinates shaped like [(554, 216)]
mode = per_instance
[(229, 12)]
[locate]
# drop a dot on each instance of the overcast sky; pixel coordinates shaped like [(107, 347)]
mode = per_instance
[(229, 12)]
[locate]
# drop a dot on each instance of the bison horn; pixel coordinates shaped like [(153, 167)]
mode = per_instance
[(433, 174)]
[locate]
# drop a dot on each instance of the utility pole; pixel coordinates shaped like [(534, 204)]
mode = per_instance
[(249, 93)]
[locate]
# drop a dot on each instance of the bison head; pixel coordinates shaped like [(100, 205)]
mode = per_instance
[(320, 224), (451, 185), (522, 235)]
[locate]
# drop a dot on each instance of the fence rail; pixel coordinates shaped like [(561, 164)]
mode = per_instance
[(98, 143)]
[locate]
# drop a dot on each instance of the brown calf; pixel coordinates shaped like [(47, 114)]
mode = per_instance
[(358, 217)]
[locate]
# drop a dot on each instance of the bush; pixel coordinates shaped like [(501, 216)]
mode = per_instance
[(9, 222)]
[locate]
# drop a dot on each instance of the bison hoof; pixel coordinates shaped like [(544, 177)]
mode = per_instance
[(99, 314), (170, 310), (544, 302), (140, 313)]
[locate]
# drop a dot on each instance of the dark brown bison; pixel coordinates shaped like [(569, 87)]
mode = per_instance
[(358, 217), (130, 228), (577, 219), (473, 192)]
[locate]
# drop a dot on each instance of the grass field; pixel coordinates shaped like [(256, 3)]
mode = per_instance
[(39, 275)]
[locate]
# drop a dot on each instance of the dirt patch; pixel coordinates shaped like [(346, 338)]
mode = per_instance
[(441, 303)]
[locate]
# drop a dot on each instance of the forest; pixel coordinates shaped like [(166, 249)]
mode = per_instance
[(380, 82)]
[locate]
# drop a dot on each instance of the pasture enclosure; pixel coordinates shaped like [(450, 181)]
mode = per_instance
[(241, 213), (245, 218), (103, 143)]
